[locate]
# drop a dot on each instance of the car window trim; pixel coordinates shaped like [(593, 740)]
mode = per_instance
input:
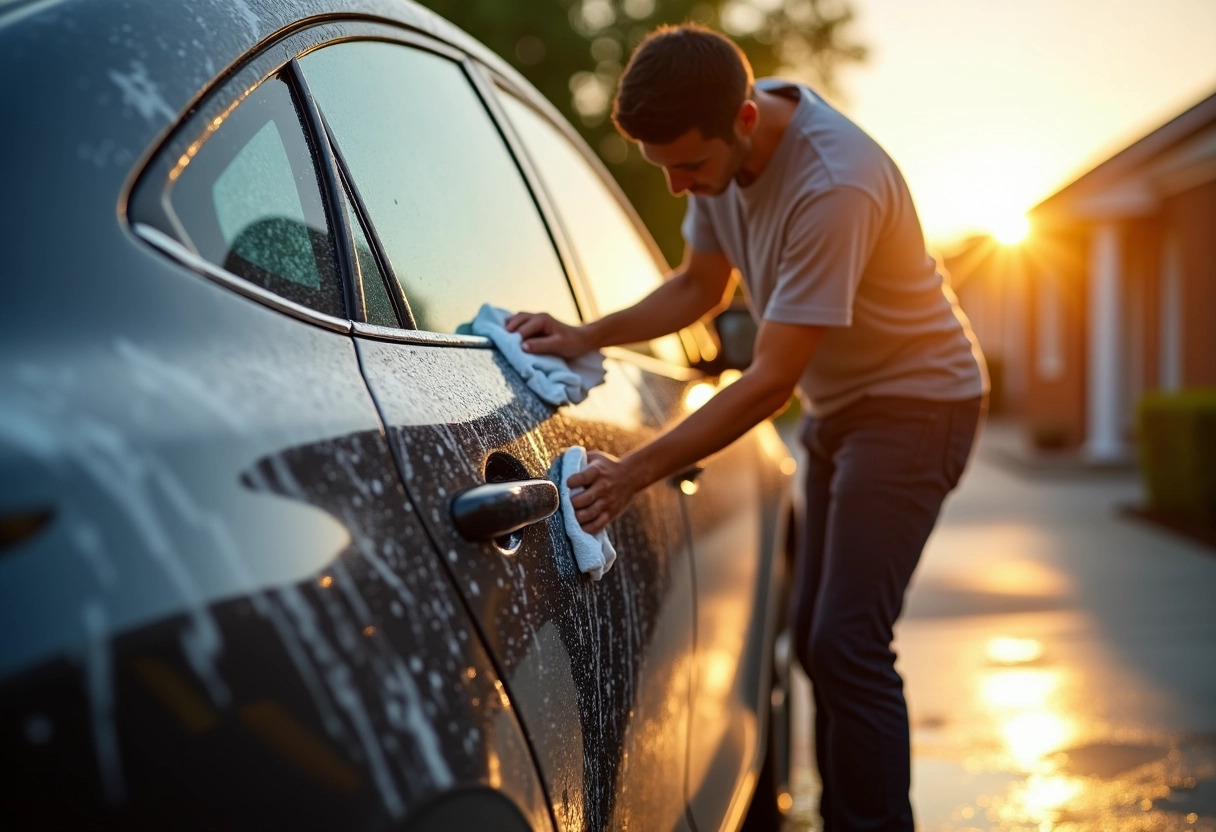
[(423, 337), (473, 72), (386, 32), (150, 178), (332, 196), (178, 251), (149, 183), (396, 293)]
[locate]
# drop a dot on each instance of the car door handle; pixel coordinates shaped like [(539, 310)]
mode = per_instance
[(496, 509)]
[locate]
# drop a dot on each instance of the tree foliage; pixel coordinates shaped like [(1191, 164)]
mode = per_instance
[(573, 51)]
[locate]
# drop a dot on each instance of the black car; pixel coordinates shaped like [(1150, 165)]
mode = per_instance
[(277, 543)]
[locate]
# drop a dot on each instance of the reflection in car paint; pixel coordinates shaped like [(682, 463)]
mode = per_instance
[(132, 479), (140, 92), (99, 674), (402, 699), (393, 712)]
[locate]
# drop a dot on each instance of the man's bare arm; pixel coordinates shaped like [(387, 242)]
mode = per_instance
[(697, 287), (782, 352)]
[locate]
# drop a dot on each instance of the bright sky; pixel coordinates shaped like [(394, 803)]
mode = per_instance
[(990, 106)]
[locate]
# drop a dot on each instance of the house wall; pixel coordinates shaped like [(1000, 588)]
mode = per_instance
[(1134, 242), (1142, 309), (1057, 337), (1057, 282), (1191, 215), (1141, 312)]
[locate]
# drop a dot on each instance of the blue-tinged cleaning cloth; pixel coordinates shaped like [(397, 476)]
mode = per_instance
[(556, 380), (595, 553)]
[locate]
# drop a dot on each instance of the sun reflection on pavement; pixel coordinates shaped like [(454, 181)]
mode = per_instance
[(1043, 795), (1018, 689), (1010, 650), (1058, 664), (1020, 751), (1031, 736), (1022, 702)]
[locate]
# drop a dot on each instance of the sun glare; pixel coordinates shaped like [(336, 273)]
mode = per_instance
[(1011, 230)]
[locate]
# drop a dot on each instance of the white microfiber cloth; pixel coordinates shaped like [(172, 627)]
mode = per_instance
[(551, 377), (595, 553)]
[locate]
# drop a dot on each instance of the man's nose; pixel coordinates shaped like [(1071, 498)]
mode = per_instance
[(677, 183)]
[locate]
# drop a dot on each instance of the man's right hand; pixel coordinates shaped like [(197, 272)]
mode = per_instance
[(542, 333)]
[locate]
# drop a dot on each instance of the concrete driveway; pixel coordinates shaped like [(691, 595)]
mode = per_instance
[(1059, 659)]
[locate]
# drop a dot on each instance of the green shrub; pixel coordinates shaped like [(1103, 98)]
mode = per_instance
[(1178, 451)]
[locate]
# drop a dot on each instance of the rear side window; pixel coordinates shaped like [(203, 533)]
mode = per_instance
[(615, 258), (380, 309), (452, 211), (249, 200)]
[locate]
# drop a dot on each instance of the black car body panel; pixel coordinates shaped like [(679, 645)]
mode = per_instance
[(586, 663), (230, 549), (231, 593)]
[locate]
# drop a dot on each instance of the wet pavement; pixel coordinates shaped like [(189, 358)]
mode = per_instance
[(1059, 659)]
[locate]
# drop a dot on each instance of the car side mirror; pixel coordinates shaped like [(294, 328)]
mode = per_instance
[(737, 334)]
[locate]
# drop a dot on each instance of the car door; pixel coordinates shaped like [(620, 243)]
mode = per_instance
[(597, 671), (216, 622), (728, 500)]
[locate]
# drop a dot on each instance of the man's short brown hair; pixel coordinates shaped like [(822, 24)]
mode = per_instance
[(679, 78)]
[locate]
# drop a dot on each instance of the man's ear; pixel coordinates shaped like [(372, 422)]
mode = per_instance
[(747, 118)]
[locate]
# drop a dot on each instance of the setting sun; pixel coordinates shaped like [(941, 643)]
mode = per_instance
[(981, 126), (1011, 230)]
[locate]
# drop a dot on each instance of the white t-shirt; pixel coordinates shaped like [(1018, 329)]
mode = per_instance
[(828, 235)]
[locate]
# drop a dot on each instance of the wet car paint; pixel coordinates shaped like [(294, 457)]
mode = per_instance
[(738, 502), (600, 669), (725, 510), (203, 593)]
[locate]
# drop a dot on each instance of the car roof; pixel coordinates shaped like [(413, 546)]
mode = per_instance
[(200, 37), (91, 85)]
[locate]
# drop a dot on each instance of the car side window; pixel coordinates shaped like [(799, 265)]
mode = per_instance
[(249, 200), (619, 265), (441, 188), (380, 309)]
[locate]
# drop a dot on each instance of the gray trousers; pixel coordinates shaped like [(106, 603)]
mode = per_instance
[(878, 473)]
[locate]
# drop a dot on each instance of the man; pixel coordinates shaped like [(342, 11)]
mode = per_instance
[(852, 313)]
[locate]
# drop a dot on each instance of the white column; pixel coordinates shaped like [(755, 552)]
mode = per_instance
[(1103, 440)]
